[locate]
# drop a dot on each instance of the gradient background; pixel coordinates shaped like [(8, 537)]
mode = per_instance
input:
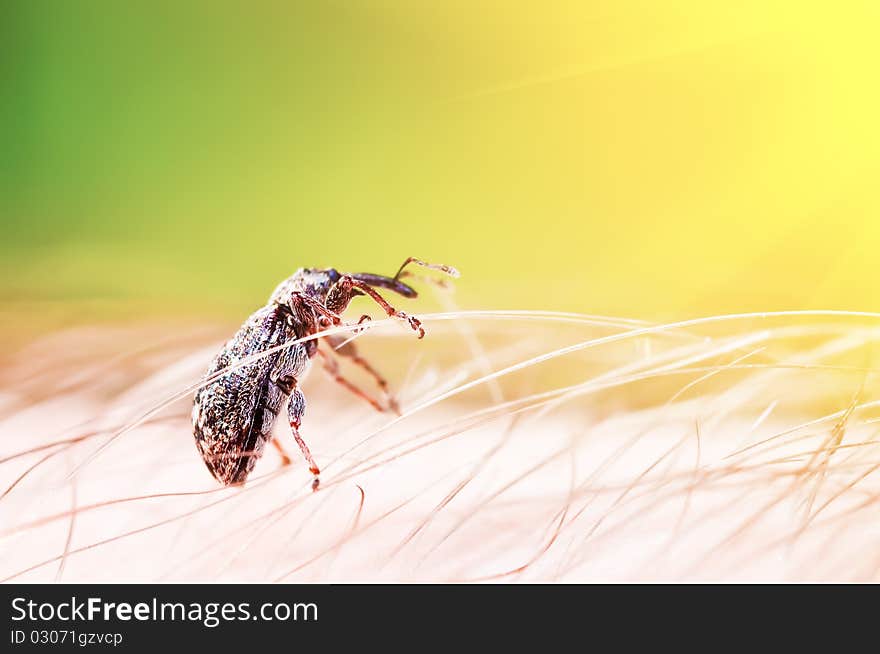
[(653, 159)]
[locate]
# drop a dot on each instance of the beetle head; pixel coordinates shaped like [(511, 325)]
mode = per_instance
[(320, 284)]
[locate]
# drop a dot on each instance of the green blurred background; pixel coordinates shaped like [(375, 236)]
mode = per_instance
[(652, 159)]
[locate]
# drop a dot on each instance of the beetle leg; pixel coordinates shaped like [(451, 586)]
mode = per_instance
[(414, 322), (342, 291), (295, 409), (346, 348), (331, 366), (285, 459)]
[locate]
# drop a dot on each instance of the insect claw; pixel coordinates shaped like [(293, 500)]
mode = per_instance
[(315, 483), (414, 322), (364, 318)]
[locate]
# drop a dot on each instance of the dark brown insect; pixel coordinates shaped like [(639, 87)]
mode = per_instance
[(234, 413)]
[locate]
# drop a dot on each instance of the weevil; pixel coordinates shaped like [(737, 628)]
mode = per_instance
[(233, 413)]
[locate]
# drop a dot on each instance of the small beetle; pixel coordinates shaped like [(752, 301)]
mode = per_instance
[(233, 414)]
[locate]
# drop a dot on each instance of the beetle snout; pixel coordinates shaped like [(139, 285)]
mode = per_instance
[(386, 282)]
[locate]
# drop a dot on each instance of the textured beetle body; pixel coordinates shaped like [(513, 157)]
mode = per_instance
[(233, 413)]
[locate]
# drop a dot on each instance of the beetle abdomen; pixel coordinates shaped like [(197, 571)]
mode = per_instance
[(233, 414)]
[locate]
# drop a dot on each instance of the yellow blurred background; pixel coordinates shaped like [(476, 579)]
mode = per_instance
[(651, 159)]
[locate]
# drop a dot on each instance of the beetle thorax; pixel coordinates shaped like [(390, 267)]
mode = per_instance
[(314, 282)]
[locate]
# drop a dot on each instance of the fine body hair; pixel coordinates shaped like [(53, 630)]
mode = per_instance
[(529, 446)]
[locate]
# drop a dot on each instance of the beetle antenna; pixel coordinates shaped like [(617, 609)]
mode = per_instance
[(436, 281), (449, 270)]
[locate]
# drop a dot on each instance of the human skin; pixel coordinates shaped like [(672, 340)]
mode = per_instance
[(530, 447)]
